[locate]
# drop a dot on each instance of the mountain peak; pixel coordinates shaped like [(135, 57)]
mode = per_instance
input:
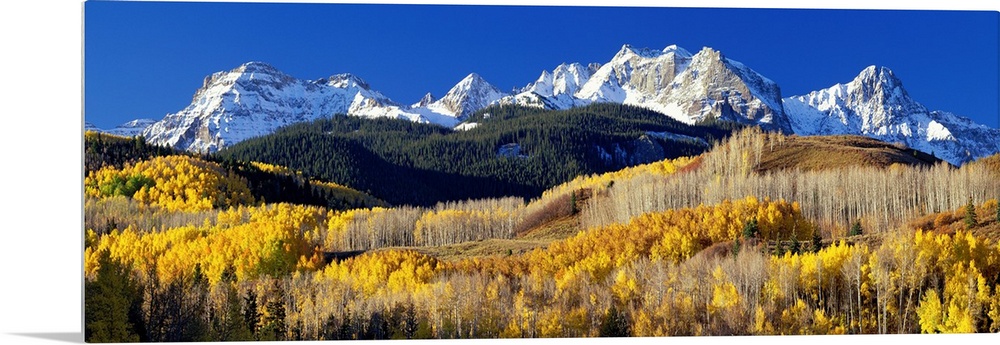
[(424, 101), (470, 82), (673, 48), (346, 80), (470, 94), (256, 67), (878, 76), (875, 104), (628, 50), (711, 53), (473, 79), (879, 85)]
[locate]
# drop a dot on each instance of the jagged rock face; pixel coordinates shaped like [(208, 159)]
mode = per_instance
[(470, 94), (689, 88), (424, 101), (647, 71), (565, 79), (554, 90), (250, 100), (686, 87), (635, 75), (713, 86), (876, 105), (255, 99)]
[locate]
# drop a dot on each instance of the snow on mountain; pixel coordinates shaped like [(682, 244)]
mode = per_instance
[(689, 88), (465, 126), (255, 99), (470, 94), (128, 129), (686, 87), (635, 75), (554, 90), (876, 105), (131, 128), (251, 100), (424, 101)]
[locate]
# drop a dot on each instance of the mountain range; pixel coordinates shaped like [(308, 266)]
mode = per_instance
[(255, 99)]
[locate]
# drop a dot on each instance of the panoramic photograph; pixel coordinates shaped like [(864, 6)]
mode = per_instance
[(294, 171)]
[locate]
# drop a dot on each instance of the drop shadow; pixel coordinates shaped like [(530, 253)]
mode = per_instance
[(67, 337)]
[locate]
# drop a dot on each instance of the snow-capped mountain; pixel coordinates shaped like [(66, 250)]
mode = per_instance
[(689, 88), (554, 90), (470, 94), (876, 105), (255, 99), (424, 101), (128, 129), (131, 128)]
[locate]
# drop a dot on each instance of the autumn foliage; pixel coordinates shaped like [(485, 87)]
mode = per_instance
[(176, 183), (176, 249)]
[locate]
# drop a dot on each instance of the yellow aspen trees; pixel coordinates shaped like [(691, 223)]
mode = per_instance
[(598, 182), (264, 240), (171, 182), (388, 271), (930, 312)]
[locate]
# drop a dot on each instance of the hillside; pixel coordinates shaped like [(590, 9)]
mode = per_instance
[(111, 154), (839, 151), (507, 151), (101, 150), (721, 243)]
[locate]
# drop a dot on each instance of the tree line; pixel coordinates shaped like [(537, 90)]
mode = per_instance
[(406, 163)]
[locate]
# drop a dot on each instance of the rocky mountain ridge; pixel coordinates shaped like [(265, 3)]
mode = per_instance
[(255, 99)]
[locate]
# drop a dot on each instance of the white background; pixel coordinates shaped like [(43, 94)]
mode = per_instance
[(41, 97)]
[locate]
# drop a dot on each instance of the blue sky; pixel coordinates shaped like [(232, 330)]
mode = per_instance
[(144, 60)]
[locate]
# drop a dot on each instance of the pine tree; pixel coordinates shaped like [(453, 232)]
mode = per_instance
[(572, 203), (817, 242), (614, 324), (970, 214), (750, 229), (856, 228), (251, 317), (230, 326), (112, 305), (274, 326), (779, 248)]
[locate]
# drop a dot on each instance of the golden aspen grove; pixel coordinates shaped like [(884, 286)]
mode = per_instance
[(743, 239)]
